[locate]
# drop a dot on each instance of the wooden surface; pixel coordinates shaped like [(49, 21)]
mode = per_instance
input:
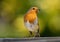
[(38, 39)]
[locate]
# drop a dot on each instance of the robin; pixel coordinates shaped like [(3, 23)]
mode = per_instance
[(31, 21)]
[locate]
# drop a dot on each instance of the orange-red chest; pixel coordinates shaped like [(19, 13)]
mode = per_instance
[(31, 17)]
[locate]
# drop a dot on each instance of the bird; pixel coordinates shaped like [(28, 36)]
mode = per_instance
[(31, 21)]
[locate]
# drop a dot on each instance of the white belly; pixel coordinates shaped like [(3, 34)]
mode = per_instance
[(32, 27)]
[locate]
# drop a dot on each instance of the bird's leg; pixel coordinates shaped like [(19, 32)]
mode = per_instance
[(31, 34), (37, 34)]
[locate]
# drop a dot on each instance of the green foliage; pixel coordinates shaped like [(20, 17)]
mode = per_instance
[(12, 12)]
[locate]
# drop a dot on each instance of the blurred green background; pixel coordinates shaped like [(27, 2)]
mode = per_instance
[(12, 13)]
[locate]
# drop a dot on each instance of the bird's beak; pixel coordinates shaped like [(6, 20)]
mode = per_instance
[(38, 10)]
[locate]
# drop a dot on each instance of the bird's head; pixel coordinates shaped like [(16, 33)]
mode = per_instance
[(35, 9)]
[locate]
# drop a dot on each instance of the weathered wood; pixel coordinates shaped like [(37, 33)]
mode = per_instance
[(37, 39)]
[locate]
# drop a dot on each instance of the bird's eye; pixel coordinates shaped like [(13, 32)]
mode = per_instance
[(33, 8)]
